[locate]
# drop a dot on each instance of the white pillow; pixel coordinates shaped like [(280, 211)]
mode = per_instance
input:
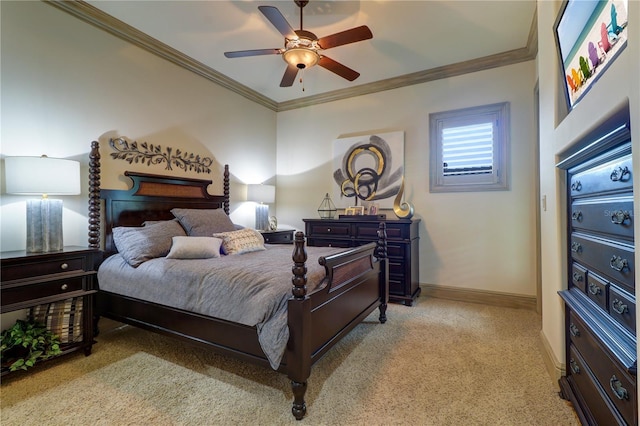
[(194, 248)]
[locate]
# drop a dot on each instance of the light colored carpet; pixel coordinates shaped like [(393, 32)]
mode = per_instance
[(439, 362)]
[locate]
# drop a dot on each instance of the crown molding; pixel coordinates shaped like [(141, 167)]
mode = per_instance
[(94, 16)]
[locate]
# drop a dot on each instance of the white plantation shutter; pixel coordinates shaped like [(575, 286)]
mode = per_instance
[(469, 149)]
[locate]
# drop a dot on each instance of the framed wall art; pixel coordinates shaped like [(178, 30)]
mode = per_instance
[(367, 169), (589, 35)]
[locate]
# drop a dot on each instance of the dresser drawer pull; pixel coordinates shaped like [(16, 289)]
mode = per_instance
[(618, 263), (64, 287), (619, 217), (576, 247), (577, 215), (575, 368), (619, 307), (576, 186), (574, 330), (618, 175), (616, 387), (64, 266), (577, 277), (594, 289)]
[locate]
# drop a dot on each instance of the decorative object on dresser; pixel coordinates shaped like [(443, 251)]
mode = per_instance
[(323, 300), (402, 247), (263, 195), (327, 210), (402, 209), (58, 289), (43, 176), (600, 302), (282, 236)]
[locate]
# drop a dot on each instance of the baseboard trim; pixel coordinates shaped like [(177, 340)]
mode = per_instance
[(555, 368), (485, 297)]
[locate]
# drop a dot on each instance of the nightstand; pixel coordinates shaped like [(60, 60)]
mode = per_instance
[(281, 236), (33, 279)]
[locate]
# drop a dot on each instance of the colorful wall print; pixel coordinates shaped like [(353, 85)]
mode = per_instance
[(368, 169)]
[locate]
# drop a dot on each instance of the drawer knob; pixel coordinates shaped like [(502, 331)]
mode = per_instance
[(619, 174), (594, 289), (619, 307), (577, 277), (616, 387), (577, 215), (574, 366), (574, 330), (576, 186), (619, 217), (576, 247), (64, 266), (617, 263), (64, 287), (328, 229)]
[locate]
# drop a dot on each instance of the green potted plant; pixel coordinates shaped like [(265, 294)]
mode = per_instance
[(26, 343)]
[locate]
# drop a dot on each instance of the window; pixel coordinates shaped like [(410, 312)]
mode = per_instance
[(469, 149)]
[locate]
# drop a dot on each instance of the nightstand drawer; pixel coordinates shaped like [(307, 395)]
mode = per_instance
[(13, 294), (36, 269)]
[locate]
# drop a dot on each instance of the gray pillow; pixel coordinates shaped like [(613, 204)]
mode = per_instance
[(203, 222), (139, 244)]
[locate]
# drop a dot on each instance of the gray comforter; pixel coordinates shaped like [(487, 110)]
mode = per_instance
[(250, 289)]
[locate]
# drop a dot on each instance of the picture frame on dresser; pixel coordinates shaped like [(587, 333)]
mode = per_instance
[(589, 36)]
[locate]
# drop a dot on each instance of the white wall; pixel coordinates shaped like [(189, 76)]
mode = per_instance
[(481, 240), (616, 87), (66, 83)]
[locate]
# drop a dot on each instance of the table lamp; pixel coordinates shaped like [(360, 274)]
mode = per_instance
[(43, 176), (263, 195)]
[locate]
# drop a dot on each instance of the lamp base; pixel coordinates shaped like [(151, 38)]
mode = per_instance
[(44, 225), (262, 217)]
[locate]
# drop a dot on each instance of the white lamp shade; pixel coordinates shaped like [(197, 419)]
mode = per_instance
[(41, 175), (261, 193)]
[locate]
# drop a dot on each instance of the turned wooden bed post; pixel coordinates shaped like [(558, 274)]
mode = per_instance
[(226, 192), (381, 254), (94, 196), (299, 369)]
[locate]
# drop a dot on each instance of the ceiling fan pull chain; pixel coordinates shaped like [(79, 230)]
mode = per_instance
[(301, 78)]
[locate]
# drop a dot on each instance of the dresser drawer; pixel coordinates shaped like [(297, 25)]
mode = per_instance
[(583, 379), (622, 308), (26, 269), (12, 294), (597, 290), (614, 260), (579, 276), (328, 242), (370, 231), (614, 381), (330, 228), (612, 215), (615, 175)]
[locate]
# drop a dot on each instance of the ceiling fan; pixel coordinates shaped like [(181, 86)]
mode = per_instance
[(302, 48)]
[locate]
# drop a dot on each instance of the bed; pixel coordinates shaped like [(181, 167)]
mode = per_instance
[(319, 310)]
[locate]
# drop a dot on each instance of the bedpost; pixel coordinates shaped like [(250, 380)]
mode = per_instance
[(94, 196), (299, 270), (226, 188), (299, 309), (381, 255)]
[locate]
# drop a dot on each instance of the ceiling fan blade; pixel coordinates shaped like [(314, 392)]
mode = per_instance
[(345, 37), (336, 67), (257, 52), (278, 20), (289, 76)]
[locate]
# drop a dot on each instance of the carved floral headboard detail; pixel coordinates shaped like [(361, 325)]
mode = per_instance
[(151, 154)]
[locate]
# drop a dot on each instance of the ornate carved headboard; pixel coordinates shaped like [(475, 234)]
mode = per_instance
[(150, 198)]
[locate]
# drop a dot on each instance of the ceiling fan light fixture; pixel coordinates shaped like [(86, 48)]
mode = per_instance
[(301, 57)]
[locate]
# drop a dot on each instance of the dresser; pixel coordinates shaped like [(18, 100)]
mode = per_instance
[(600, 303), (402, 248), (57, 279)]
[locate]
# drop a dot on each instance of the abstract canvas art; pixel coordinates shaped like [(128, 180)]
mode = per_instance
[(368, 169)]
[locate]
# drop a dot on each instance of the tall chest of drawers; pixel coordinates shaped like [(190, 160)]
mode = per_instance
[(402, 248), (600, 303)]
